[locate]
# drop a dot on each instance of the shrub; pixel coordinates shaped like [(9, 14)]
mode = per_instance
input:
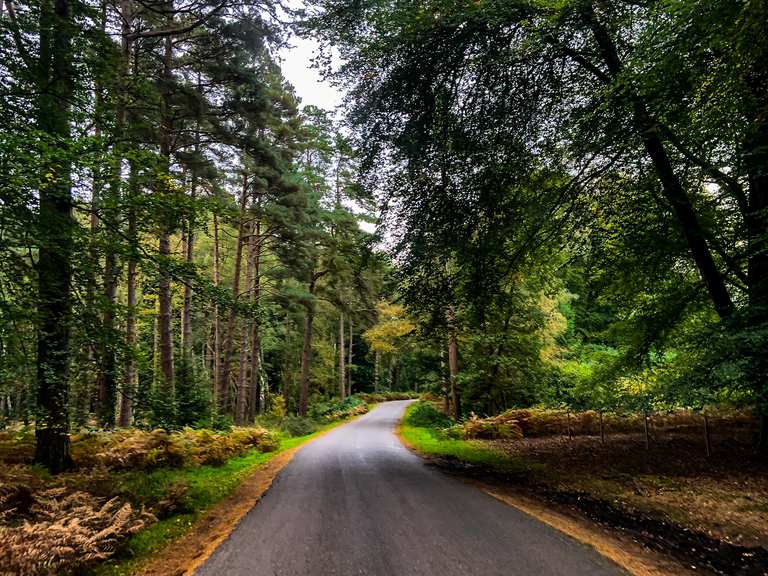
[(142, 450), (424, 415), (298, 426), (500, 427), (375, 397), (332, 411), (277, 406)]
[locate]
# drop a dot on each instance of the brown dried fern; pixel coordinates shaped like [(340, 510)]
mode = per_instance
[(67, 532)]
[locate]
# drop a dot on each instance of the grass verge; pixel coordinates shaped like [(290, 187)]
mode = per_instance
[(421, 431)]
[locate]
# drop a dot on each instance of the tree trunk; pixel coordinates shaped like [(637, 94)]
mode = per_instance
[(216, 368), (84, 393), (376, 368), (56, 228), (396, 373), (673, 190), (131, 336), (445, 385), (646, 431), (342, 352), (108, 368), (349, 360), (249, 396), (242, 390), (306, 354), (226, 364), (254, 254), (707, 440), (186, 310), (453, 363), (189, 247), (602, 429), (129, 382), (165, 318), (128, 388)]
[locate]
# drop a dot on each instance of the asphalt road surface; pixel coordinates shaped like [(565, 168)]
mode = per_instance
[(357, 502)]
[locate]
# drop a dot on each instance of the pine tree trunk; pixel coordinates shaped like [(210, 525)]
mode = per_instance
[(226, 363), (242, 391), (707, 439), (602, 429), (186, 310), (108, 368), (306, 354), (165, 318), (255, 257), (189, 247), (453, 363), (108, 373), (342, 352), (56, 227), (244, 377), (165, 321), (85, 393), (376, 368), (349, 360), (216, 353), (125, 417), (129, 378), (646, 431)]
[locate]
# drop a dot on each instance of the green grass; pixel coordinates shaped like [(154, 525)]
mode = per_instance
[(430, 441), (205, 486)]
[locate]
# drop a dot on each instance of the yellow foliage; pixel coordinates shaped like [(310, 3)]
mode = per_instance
[(555, 324), (278, 408), (139, 449), (393, 325)]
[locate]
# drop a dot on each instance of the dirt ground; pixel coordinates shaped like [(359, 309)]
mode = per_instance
[(724, 496)]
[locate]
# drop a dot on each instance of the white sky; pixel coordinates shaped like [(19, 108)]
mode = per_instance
[(296, 64), (297, 68)]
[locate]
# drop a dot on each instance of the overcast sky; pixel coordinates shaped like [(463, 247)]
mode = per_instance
[(297, 69), (296, 64)]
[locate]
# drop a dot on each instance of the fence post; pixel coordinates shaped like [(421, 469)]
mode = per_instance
[(602, 428), (707, 442), (645, 426)]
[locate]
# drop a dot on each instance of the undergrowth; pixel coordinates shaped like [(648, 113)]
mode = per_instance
[(426, 430), (132, 491)]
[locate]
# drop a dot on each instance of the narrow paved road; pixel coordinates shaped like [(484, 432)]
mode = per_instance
[(356, 502)]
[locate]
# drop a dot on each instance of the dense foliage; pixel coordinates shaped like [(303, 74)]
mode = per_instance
[(572, 197), (180, 239), (577, 190)]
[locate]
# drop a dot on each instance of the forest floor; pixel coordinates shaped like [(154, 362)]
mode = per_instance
[(708, 513), (724, 495)]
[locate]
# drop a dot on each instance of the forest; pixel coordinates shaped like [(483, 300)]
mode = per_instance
[(553, 205)]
